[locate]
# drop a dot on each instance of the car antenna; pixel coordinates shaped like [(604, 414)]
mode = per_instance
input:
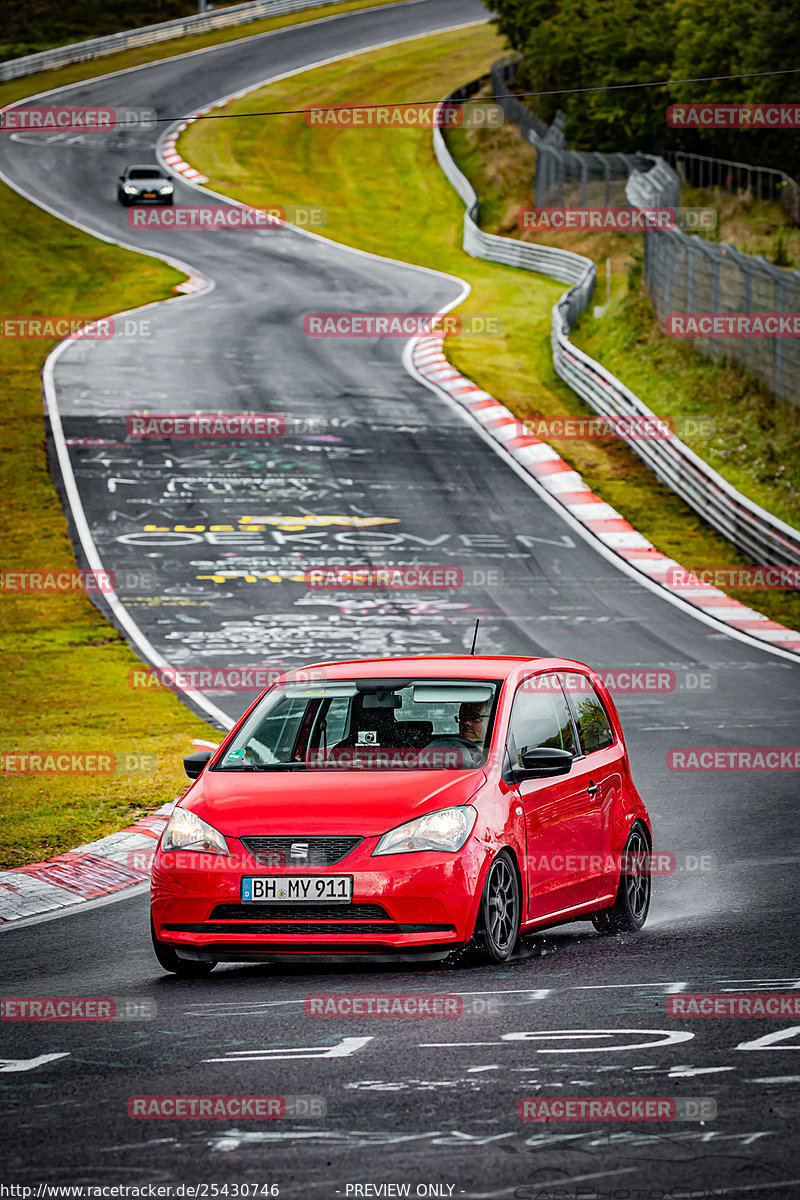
[(475, 634)]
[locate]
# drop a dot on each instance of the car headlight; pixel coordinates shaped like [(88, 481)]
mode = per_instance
[(185, 831), (166, 191), (446, 830), (130, 188)]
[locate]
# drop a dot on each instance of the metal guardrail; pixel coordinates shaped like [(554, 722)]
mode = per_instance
[(237, 14), (761, 536)]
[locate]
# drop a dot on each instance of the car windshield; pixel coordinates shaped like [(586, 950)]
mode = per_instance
[(368, 724), (144, 173)]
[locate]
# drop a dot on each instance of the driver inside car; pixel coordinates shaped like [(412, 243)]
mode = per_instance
[(472, 720)]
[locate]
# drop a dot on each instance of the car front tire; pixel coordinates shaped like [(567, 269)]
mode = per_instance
[(171, 961), (499, 915), (629, 911)]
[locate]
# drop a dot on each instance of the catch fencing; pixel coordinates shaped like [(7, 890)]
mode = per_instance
[(148, 35), (740, 179), (683, 273), (762, 537)]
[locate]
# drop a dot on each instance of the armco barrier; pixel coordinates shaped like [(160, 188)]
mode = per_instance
[(762, 537), (237, 14)]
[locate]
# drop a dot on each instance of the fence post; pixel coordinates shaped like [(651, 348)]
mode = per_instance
[(780, 305)]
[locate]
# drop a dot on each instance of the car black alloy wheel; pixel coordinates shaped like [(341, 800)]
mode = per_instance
[(499, 917), (629, 911)]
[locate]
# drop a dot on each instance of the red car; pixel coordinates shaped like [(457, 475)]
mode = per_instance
[(411, 806)]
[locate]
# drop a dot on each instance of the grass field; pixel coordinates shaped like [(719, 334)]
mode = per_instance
[(385, 193)]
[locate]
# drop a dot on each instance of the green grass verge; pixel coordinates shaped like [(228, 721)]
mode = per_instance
[(66, 670), (65, 673), (385, 193)]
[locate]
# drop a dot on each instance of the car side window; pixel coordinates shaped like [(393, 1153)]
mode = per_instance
[(594, 727), (540, 716)]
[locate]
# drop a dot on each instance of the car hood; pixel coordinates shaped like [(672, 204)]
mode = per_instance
[(367, 803)]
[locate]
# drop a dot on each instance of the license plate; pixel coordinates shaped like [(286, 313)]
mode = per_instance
[(283, 889), (149, 195)]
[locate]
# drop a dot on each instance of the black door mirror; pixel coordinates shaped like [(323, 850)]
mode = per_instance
[(542, 762), (193, 763)]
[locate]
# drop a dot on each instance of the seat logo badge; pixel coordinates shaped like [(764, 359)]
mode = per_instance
[(299, 850)]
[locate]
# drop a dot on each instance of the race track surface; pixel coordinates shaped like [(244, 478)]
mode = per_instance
[(402, 478)]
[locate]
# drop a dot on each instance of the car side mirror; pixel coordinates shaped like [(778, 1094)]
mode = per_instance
[(543, 762), (194, 763)]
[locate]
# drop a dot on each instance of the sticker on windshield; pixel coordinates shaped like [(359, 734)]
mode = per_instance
[(235, 754)]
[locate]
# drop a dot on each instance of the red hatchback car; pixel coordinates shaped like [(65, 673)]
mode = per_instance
[(411, 806)]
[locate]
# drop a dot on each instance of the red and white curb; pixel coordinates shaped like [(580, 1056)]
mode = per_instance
[(567, 487), (97, 869), (171, 156)]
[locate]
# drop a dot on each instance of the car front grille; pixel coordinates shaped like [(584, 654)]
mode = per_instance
[(299, 912), (271, 851)]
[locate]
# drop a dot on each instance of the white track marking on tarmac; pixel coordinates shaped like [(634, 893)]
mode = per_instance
[(535, 1188), (690, 1072), (666, 1038), (13, 1065), (769, 1040), (777, 1079), (346, 1047)]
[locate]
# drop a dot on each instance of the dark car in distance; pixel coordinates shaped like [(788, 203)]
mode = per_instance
[(144, 184)]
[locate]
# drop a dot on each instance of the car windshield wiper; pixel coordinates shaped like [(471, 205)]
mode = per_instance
[(287, 766)]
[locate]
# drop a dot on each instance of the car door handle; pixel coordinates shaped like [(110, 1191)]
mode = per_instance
[(593, 789)]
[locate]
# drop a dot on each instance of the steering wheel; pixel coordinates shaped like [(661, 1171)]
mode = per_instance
[(455, 739)]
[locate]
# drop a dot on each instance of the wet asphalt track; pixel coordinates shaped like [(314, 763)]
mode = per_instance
[(421, 1101)]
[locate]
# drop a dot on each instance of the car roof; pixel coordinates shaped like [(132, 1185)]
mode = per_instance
[(433, 666), (154, 167)]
